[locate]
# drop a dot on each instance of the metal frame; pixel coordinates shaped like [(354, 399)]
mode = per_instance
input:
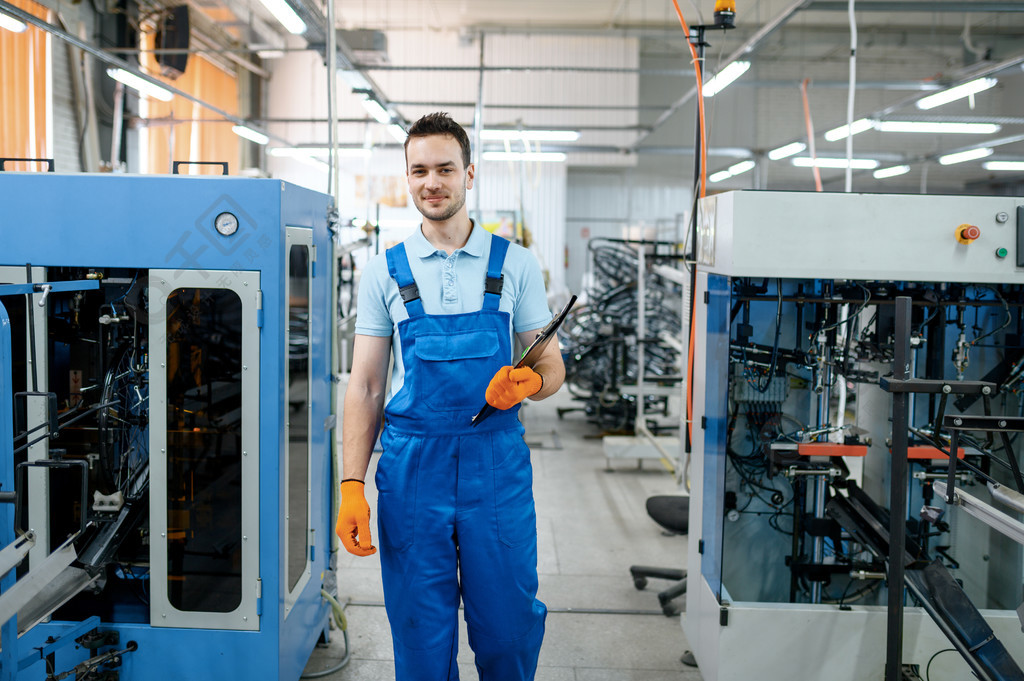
[(17, 594), (296, 236), (39, 503), (247, 286), (994, 518), (8, 630)]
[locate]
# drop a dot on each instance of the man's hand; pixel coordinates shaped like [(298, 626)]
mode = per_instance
[(353, 526), (511, 386)]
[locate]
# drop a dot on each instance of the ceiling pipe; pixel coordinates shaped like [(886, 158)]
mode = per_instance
[(746, 48), (990, 70), (966, 76), (316, 38), (120, 63), (210, 48)]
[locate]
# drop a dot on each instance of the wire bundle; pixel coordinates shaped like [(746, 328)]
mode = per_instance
[(600, 343)]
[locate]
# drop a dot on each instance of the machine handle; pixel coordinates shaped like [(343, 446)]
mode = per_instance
[(222, 164), (21, 484), (48, 161)]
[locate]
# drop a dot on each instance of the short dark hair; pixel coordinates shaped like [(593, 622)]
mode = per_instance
[(440, 123)]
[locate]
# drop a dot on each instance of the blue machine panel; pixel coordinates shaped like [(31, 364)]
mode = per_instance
[(136, 236), (716, 391)]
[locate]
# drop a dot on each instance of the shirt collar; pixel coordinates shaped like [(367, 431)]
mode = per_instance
[(475, 245)]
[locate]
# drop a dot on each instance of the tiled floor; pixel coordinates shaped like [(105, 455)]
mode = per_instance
[(592, 526)]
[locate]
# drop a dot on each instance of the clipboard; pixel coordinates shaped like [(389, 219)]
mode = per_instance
[(532, 353)]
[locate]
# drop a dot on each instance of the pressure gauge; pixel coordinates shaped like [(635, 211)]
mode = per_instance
[(226, 224)]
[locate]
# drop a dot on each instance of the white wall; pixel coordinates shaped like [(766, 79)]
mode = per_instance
[(297, 89), (543, 190)]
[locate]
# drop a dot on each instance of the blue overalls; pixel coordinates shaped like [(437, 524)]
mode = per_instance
[(455, 502)]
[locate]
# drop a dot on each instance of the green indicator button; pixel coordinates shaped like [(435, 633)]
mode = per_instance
[(1001, 252)]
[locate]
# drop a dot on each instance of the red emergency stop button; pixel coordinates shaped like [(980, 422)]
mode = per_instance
[(965, 234)]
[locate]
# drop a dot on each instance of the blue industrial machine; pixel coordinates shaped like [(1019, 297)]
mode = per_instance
[(840, 338), (166, 364)]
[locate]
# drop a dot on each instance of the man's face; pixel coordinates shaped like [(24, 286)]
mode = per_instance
[(437, 179)]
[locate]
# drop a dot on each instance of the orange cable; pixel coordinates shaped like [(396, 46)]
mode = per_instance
[(702, 194), (700, 101), (810, 134)]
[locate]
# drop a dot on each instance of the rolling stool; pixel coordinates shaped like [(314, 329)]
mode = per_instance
[(672, 512)]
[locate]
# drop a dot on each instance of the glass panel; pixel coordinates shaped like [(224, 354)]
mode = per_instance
[(298, 413), (204, 449)]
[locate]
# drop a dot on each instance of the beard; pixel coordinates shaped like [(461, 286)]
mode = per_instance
[(441, 213)]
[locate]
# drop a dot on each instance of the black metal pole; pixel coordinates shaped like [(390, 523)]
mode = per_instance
[(697, 145), (693, 221), (898, 494)]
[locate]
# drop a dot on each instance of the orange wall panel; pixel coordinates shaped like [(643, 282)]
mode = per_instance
[(24, 72), (208, 140)]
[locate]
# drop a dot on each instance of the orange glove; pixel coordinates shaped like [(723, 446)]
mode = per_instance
[(354, 519), (511, 386)]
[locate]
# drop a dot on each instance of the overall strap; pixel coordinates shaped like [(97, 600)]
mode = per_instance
[(495, 280), (398, 268)]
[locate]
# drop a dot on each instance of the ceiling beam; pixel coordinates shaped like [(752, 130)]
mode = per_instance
[(934, 6), (747, 47)]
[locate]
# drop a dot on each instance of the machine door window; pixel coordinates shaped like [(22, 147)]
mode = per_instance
[(205, 425), (297, 412)]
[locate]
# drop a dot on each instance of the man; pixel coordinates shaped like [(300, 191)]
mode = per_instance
[(455, 500)]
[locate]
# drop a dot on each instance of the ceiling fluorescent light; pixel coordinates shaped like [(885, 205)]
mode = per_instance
[(725, 77), (962, 156), (284, 13), (894, 171), (554, 156), (856, 163), (355, 79), (858, 126), (786, 151), (732, 171), (955, 93), (311, 152), (1003, 165), (938, 127), (322, 166), (374, 108), (12, 24), (143, 86), (250, 134), (270, 53), (398, 132), (531, 135), (741, 167)]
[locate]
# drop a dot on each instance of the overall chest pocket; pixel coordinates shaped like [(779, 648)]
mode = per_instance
[(455, 368)]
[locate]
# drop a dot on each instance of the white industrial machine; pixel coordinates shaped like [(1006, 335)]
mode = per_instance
[(806, 436)]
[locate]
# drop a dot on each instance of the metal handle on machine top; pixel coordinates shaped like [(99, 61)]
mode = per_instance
[(222, 164), (48, 161)]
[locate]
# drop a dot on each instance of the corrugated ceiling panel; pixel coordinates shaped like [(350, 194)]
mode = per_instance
[(542, 187), (519, 87)]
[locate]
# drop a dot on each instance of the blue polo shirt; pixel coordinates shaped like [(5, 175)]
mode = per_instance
[(449, 284)]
